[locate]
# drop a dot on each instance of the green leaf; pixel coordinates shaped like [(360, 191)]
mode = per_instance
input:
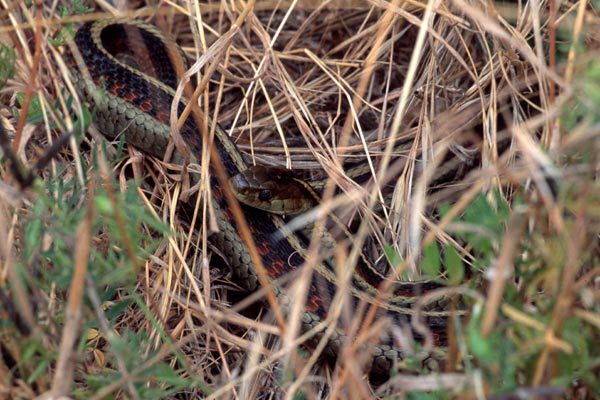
[(454, 265), (480, 347), (40, 369), (393, 257), (34, 112), (80, 8), (7, 63), (431, 263)]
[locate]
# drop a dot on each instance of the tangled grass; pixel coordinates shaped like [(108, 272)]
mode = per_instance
[(478, 121)]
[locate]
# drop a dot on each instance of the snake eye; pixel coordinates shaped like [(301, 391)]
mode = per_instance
[(265, 195)]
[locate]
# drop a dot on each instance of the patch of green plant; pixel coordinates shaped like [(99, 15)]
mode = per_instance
[(78, 7), (583, 108), (36, 358), (152, 378), (481, 226), (394, 258), (8, 59), (50, 234), (564, 44), (435, 395), (433, 263), (508, 357), (583, 360), (492, 353), (447, 261), (35, 114)]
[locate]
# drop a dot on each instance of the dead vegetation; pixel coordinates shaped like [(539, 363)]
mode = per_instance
[(479, 122)]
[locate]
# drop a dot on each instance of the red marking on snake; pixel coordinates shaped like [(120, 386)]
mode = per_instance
[(277, 267), (437, 339), (228, 214), (312, 304), (145, 105), (115, 90), (162, 115), (130, 98), (217, 193), (263, 249)]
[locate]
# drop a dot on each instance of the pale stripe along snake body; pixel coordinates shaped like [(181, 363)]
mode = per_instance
[(126, 100)]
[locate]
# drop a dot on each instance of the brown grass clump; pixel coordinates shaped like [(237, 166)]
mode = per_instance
[(478, 120)]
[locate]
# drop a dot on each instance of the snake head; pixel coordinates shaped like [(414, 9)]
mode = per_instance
[(272, 189)]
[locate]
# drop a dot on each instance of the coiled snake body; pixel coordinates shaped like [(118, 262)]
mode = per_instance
[(129, 80)]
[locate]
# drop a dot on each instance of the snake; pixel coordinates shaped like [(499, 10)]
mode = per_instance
[(126, 71)]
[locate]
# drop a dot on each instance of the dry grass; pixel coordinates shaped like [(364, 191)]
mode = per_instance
[(494, 104)]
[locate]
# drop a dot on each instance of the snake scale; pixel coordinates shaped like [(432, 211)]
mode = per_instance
[(124, 70)]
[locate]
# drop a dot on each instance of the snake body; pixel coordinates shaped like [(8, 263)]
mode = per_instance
[(126, 74)]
